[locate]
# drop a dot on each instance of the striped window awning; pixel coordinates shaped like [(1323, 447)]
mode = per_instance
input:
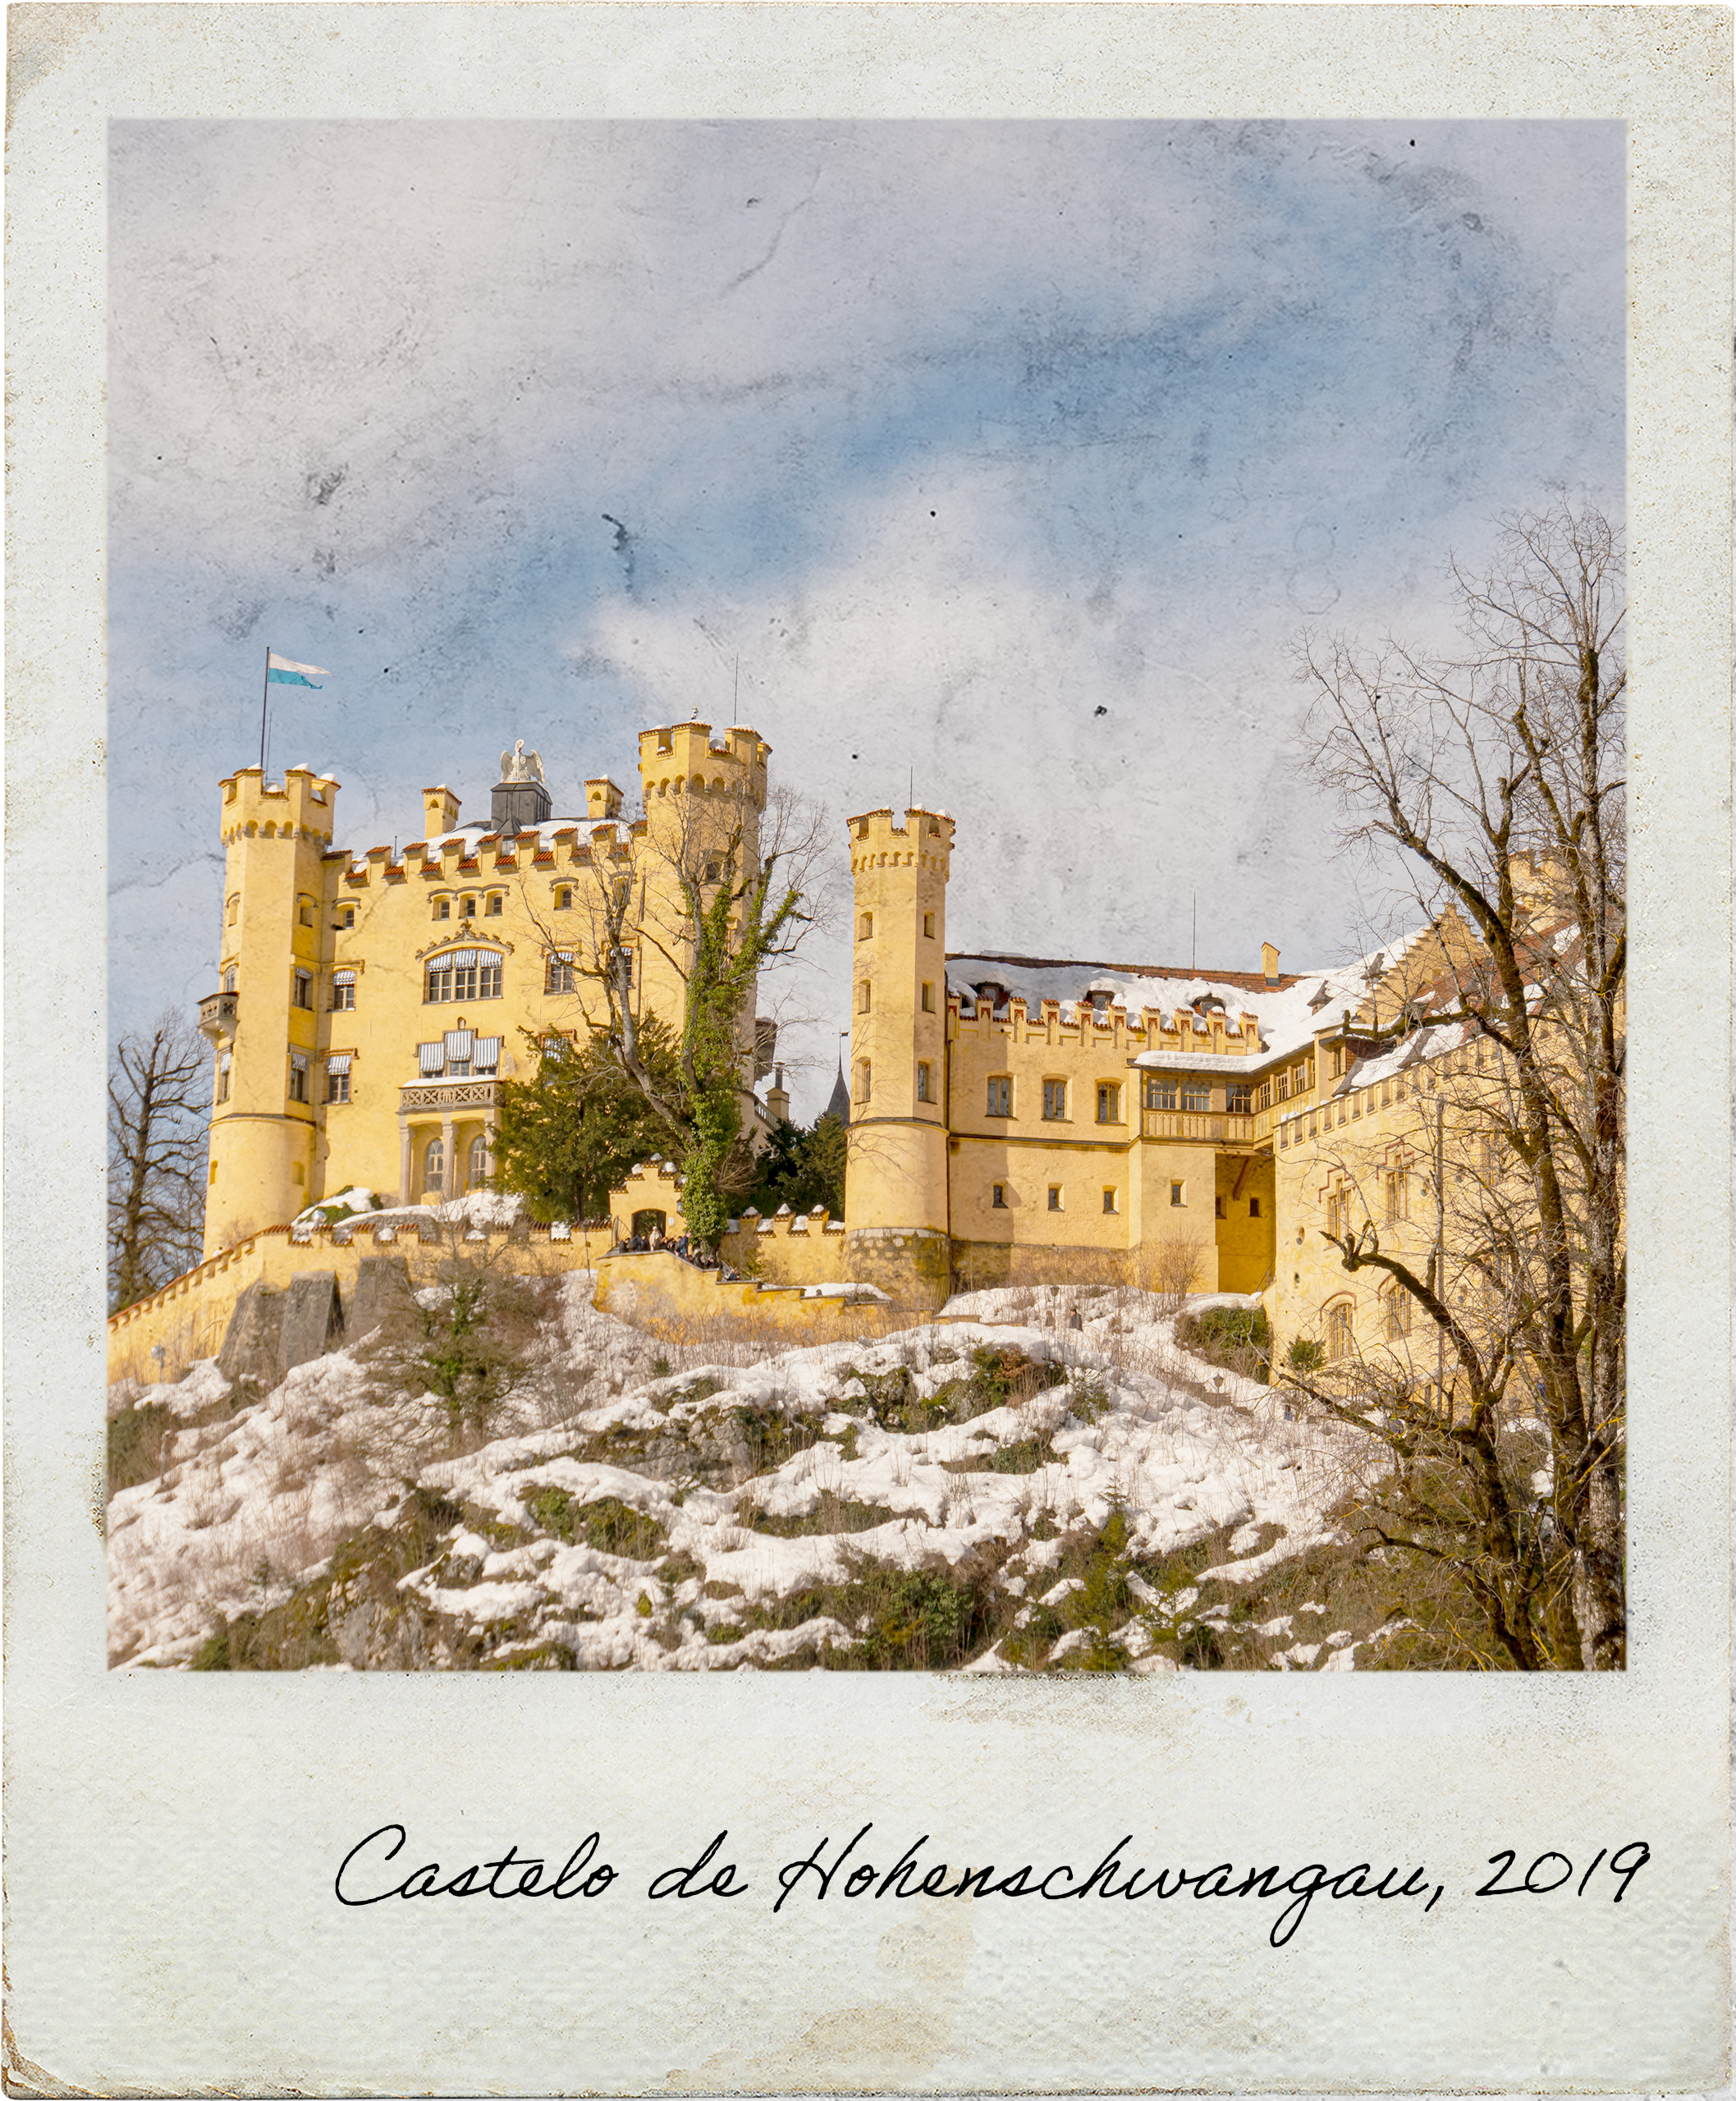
[(338, 1064), (458, 1043), (343, 976), (298, 1060), (464, 959), (431, 1056), (486, 1052), (562, 956), (225, 1062)]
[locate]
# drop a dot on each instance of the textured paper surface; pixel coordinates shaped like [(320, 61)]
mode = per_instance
[(172, 1840)]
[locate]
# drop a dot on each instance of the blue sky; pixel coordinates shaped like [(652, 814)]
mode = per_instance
[(1015, 454)]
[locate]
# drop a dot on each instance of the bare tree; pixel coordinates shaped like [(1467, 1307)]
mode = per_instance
[(159, 1098), (1497, 775), (708, 901)]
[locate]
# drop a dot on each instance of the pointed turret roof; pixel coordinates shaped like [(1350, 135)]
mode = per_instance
[(839, 1105)]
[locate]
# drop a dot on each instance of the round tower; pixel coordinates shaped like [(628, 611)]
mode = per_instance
[(896, 1198), (263, 1020)]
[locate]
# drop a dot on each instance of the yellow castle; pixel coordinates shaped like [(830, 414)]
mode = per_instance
[(1011, 1117), (370, 1004)]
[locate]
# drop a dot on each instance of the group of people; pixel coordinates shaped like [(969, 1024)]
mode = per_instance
[(656, 1241)]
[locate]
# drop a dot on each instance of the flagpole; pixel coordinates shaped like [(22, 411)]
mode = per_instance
[(264, 696)]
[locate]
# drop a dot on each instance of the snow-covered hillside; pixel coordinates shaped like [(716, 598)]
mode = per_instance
[(998, 1492)]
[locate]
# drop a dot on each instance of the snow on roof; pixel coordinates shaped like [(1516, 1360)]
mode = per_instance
[(1290, 1013)]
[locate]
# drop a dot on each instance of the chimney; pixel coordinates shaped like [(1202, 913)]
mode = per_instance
[(1269, 962)]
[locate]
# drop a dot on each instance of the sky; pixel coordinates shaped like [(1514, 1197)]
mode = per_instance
[(1002, 461)]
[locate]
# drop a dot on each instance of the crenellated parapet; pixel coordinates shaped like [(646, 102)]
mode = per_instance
[(301, 806)]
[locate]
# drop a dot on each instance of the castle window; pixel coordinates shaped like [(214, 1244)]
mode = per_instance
[(457, 1047), (563, 898), (1398, 1315), (1195, 1094), (495, 905), (1253, 1207), (998, 1196), (229, 978), (337, 1079), (1054, 1101), (343, 991), (865, 927), (463, 974), (927, 926), (433, 1169), (1218, 1207), (485, 1054), (1338, 1214), (1109, 1104), (1110, 1203), (212, 1177), (1055, 1197), (442, 907), (862, 827), (223, 1064), (1160, 1092), (1340, 1338), (1178, 1192), (304, 911), (232, 912), (865, 997), (559, 976), (298, 1077), (476, 1176), (1266, 1094), (346, 915), (927, 999), (1398, 1194), (467, 908), (865, 1080), (1284, 1084), (1238, 1099), (1333, 1064), (713, 872), (924, 1081), (1001, 1096), (666, 740), (302, 993)]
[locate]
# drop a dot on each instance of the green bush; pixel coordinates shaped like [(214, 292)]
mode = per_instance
[(1237, 1337), (1304, 1355)]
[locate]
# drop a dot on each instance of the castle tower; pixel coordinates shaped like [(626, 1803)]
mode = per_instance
[(897, 1203), (263, 1023), (704, 801)]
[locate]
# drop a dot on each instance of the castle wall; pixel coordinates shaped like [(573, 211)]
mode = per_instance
[(786, 1248), (670, 1299)]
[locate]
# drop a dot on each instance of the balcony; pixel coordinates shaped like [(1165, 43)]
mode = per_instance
[(217, 1013), (440, 1097), (1202, 1127)]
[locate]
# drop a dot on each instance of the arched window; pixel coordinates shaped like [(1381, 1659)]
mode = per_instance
[(476, 1174), (433, 1169), (234, 911), (1340, 1338)]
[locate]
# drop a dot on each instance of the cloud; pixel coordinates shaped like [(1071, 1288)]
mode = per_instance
[(953, 433)]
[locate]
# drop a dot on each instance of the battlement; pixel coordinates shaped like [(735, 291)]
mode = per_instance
[(684, 758), (602, 798), (877, 841), (300, 806)]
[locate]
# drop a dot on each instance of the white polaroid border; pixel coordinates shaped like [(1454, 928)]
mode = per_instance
[(172, 1841)]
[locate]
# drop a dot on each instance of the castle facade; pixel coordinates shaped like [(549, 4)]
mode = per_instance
[(371, 1003)]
